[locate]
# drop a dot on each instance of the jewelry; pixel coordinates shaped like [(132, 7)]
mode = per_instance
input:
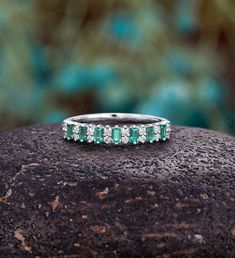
[(116, 128)]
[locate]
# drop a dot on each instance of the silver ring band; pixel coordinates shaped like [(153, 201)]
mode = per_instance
[(116, 128)]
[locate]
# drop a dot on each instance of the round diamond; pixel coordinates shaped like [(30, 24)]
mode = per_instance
[(107, 139), (142, 138), (76, 129), (107, 131), (90, 138), (157, 137), (125, 131), (168, 131), (125, 139), (76, 137), (157, 129), (142, 130), (168, 127), (90, 130)]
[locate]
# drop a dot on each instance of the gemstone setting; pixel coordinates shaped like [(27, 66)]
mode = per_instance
[(125, 139), (116, 135), (90, 138), (125, 131), (107, 131), (150, 134), (82, 133), (90, 129), (134, 135), (142, 130), (98, 134), (69, 133), (163, 132), (168, 130), (142, 138), (107, 139)]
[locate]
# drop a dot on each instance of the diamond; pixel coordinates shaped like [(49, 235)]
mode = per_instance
[(134, 135), (64, 128), (76, 129), (168, 130), (150, 135), (116, 135), (125, 139), (107, 131), (76, 137), (82, 133), (69, 133), (90, 130), (157, 129), (99, 134), (142, 138), (125, 131), (157, 137), (142, 130), (107, 139), (90, 138)]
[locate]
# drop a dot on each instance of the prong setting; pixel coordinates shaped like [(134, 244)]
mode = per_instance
[(79, 131)]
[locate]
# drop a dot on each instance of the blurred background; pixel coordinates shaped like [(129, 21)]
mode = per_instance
[(170, 58)]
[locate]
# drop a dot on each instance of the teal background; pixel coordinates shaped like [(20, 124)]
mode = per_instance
[(170, 58)]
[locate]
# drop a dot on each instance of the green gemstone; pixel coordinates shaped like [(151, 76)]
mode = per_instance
[(70, 131), (82, 132), (150, 134), (98, 135), (116, 135), (162, 132), (134, 135)]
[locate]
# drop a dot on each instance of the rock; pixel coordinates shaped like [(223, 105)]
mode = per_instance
[(65, 199)]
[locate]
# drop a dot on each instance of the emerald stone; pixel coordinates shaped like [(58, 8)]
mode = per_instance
[(150, 134), (162, 132), (82, 132), (98, 135), (70, 131), (134, 135), (116, 135)]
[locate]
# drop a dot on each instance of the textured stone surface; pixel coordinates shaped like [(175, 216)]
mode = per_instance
[(64, 199)]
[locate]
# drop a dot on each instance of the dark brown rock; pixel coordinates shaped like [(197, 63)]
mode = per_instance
[(64, 199)]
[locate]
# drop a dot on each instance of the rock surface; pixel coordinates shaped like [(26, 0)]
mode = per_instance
[(64, 199)]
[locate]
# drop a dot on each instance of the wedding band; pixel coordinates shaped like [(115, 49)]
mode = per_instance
[(116, 128)]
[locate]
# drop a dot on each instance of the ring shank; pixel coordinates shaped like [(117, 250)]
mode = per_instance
[(116, 117)]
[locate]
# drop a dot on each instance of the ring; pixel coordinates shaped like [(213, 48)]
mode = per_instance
[(116, 128)]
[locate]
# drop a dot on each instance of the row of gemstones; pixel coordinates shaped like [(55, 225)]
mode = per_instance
[(116, 135)]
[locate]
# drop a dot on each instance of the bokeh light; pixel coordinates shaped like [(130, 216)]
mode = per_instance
[(172, 59)]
